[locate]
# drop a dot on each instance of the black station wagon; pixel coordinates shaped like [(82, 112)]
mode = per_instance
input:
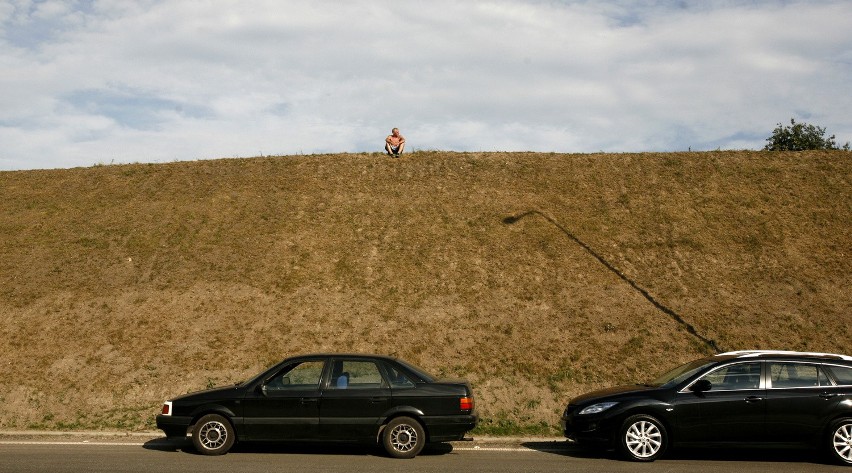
[(337, 397), (747, 397)]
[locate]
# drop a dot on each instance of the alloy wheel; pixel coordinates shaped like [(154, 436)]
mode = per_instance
[(213, 435), (403, 438), (842, 442), (643, 439)]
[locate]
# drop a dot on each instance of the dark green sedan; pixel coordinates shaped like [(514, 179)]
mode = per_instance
[(335, 397)]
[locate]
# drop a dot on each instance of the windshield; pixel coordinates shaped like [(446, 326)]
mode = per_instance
[(680, 373)]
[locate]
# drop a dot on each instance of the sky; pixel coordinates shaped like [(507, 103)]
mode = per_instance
[(91, 82)]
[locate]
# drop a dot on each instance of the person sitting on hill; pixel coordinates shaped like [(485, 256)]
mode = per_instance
[(395, 143)]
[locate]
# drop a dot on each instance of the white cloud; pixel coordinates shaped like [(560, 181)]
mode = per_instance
[(86, 82)]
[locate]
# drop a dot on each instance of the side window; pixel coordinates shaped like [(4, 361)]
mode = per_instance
[(355, 375), (304, 375), (735, 377), (842, 374), (795, 375), (398, 379)]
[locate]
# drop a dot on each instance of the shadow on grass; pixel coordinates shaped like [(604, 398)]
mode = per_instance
[(303, 448), (710, 343), (720, 455)]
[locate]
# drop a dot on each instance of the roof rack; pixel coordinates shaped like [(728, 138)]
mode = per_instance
[(752, 353)]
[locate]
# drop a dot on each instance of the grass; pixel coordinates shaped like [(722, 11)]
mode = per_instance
[(129, 284)]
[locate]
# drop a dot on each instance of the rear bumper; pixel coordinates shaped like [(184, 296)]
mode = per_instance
[(449, 428), (173, 426)]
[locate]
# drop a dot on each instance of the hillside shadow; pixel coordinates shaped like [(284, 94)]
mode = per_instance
[(710, 343), (304, 448), (719, 455)]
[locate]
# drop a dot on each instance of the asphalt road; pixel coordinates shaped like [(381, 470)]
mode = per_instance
[(127, 454)]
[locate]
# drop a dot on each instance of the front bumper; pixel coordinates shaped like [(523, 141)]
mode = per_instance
[(587, 430), (174, 426)]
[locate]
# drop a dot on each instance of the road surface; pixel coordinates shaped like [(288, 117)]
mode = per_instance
[(128, 453)]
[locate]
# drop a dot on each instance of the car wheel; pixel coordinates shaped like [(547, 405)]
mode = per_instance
[(213, 435), (403, 437), (840, 440), (642, 438)]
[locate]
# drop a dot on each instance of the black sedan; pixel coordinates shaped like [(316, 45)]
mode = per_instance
[(736, 398), (336, 397)]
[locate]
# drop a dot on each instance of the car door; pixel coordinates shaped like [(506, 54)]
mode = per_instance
[(354, 399), (733, 409), (286, 404), (800, 397)]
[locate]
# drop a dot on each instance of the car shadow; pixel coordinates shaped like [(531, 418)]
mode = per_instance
[(569, 449), (758, 454), (184, 445), (169, 444)]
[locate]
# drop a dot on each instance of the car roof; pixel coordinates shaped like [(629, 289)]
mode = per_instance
[(779, 354), (344, 355)]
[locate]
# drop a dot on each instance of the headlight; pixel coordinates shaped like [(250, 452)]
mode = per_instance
[(596, 408)]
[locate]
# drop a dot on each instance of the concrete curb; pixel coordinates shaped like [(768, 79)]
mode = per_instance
[(76, 435)]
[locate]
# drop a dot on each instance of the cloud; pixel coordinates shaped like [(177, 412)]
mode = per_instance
[(87, 82), (131, 108)]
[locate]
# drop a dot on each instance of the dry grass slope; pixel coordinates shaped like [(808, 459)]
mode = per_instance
[(523, 272)]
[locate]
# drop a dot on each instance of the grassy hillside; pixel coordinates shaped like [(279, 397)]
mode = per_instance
[(535, 276)]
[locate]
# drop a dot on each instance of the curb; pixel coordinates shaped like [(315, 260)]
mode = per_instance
[(77, 433), (116, 437)]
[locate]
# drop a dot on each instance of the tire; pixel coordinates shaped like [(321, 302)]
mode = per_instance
[(840, 440), (213, 435), (403, 437), (642, 438)]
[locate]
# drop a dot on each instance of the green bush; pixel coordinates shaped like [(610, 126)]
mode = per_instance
[(800, 137)]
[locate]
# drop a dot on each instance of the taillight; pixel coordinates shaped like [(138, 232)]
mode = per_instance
[(167, 408), (466, 403)]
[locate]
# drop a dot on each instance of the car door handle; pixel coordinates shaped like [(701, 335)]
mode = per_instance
[(752, 399), (376, 400), (309, 400), (828, 395)]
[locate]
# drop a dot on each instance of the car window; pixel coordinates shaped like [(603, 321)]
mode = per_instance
[(734, 377), (355, 374), (843, 375), (303, 375), (796, 375), (398, 379)]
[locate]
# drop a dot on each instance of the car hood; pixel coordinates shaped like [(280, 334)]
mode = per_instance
[(214, 393), (614, 392)]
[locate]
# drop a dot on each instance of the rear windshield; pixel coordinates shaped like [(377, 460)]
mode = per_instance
[(418, 372)]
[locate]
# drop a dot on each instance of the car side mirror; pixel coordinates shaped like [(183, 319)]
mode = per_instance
[(700, 386)]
